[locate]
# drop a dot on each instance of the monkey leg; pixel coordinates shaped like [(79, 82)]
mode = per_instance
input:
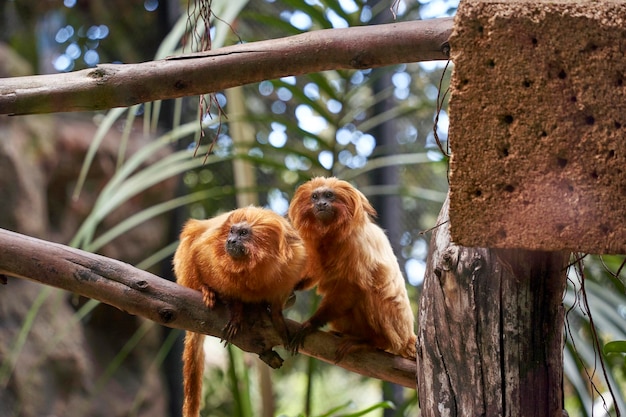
[(326, 312), (278, 321), (305, 284), (234, 324), (348, 345)]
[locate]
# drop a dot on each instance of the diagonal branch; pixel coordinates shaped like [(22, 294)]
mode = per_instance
[(110, 85), (141, 293)]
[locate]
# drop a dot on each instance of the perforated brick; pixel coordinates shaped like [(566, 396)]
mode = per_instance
[(538, 125)]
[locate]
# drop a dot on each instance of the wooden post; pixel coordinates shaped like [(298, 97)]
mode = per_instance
[(490, 336)]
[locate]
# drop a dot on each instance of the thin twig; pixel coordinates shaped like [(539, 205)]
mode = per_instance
[(440, 100)]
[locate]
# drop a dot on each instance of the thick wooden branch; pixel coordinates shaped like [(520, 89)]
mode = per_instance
[(141, 293), (109, 85)]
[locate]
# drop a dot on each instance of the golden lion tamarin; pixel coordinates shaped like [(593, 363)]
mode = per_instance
[(249, 255), (350, 258)]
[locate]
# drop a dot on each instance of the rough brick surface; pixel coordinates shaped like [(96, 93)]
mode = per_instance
[(538, 125)]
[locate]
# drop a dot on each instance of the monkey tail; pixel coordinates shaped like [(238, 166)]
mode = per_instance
[(193, 368)]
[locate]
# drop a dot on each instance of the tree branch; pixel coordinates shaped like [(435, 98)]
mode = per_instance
[(141, 293), (110, 85)]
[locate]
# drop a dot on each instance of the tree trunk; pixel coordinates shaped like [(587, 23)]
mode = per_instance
[(490, 337)]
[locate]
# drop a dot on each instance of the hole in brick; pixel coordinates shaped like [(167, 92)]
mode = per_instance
[(617, 125), (570, 188), (561, 162), (501, 233), (491, 63), (534, 41), (611, 154), (478, 193), (527, 83), (619, 82), (509, 188), (594, 174), (590, 120), (507, 118), (562, 75), (605, 228), (591, 46), (464, 81), (559, 227), (480, 29), (543, 134), (504, 151), (573, 99)]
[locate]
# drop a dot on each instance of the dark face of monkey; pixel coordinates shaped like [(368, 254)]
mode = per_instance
[(238, 237), (323, 199)]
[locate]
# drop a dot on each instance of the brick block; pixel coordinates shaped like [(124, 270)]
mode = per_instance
[(538, 125)]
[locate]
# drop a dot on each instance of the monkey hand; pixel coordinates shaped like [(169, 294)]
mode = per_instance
[(298, 338), (230, 331), (234, 323)]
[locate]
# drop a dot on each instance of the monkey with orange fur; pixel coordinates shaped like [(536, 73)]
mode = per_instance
[(249, 255), (364, 297)]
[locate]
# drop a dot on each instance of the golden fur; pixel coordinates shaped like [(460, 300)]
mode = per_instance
[(265, 269), (357, 274)]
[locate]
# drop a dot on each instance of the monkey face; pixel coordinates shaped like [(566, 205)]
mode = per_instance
[(323, 203), (328, 205), (239, 236)]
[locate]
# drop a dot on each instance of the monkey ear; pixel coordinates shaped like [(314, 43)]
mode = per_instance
[(365, 204), (298, 205)]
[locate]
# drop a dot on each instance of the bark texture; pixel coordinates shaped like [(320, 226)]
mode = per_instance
[(110, 85), (490, 336)]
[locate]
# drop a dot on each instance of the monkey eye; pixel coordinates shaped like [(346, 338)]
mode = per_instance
[(329, 194), (315, 196), (243, 232)]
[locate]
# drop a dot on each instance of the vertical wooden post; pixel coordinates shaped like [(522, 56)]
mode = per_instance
[(490, 336)]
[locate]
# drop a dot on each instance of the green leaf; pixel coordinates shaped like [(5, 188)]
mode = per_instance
[(103, 129), (381, 405), (274, 22), (155, 210), (335, 409), (618, 346)]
